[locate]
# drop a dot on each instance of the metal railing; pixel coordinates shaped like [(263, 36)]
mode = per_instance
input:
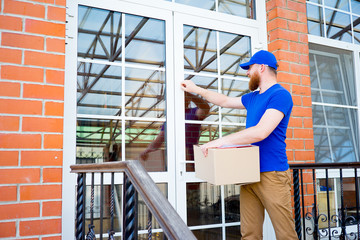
[(136, 181), (317, 215)]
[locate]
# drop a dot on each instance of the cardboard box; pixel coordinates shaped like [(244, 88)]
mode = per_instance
[(232, 165)]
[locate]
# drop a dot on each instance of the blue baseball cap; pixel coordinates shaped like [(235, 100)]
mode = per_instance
[(261, 57)]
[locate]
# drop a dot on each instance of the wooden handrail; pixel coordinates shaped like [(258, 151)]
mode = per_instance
[(170, 221)]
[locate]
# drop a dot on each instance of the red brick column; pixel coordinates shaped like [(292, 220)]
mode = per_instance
[(287, 39), (32, 63)]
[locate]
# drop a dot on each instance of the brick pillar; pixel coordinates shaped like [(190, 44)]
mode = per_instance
[(32, 63), (287, 38)]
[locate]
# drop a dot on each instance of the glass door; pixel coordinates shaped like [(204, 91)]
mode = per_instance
[(208, 52), (131, 58), (124, 97)]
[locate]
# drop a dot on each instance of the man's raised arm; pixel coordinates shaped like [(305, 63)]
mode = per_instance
[(211, 96)]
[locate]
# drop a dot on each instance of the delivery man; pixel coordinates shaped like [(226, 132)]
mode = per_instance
[(268, 113)]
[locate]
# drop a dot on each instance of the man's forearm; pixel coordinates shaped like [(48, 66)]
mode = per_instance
[(213, 97)]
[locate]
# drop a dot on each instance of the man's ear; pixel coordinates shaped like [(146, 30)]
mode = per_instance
[(262, 68)]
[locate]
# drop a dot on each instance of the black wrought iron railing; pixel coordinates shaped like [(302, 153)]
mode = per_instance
[(327, 207), (136, 182)]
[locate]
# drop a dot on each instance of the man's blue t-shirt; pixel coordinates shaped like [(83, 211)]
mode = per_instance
[(273, 148)]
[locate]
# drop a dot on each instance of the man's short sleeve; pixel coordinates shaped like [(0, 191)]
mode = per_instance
[(281, 101), (245, 99)]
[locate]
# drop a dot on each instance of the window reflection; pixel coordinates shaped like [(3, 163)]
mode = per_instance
[(356, 24), (121, 73), (315, 20), (233, 233), (336, 135), (242, 8), (208, 132), (99, 34), (144, 41), (338, 25), (232, 203), (210, 83), (209, 233), (203, 204), (200, 50), (205, 4), (99, 89), (234, 88), (234, 49), (98, 140), (144, 93), (146, 141)]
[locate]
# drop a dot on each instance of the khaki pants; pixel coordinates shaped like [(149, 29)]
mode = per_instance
[(273, 194)]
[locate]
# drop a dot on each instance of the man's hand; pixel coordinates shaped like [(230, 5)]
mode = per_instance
[(213, 144), (189, 86)]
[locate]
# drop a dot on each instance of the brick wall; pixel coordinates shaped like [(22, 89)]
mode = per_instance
[(32, 62), (287, 39)]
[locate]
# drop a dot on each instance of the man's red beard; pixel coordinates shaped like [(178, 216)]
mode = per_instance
[(254, 81)]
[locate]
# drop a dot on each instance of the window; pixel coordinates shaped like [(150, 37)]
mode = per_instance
[(121, 88), (334, 19), (335, 109)]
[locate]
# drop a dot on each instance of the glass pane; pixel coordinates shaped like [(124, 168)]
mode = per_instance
[(198, 134), (98, 141), (322, 148), (200, 50), (315, 20), (99, 34), (203, 204), (336, 72), (209, 233), (226, 130), (341, 117), (99, 89), (144, 93), (145, 41), (210, 83), (232, 203), (146, 141), (205, 4), (355, 6), (233, 50), (356, 19), (318, 115), (233, 233), (342, 145), (234, 88), (242, 8), (338, 4), (338, 25)]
